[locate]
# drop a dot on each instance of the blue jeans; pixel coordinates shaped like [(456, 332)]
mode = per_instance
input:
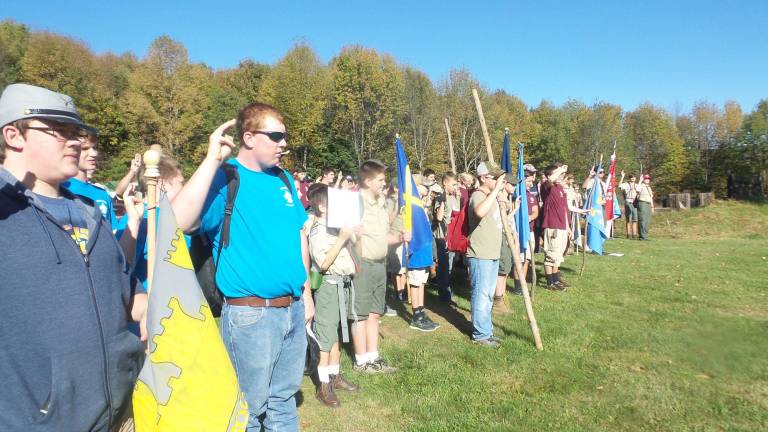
[(482, 276), (444, 267), (267, 347)]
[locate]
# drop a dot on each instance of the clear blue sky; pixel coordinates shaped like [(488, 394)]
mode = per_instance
[(671, 53)]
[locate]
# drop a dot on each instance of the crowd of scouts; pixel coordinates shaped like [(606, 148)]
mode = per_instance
[(75, 275)]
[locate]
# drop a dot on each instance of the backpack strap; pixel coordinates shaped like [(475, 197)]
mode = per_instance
[(233, 184), (281, 173)]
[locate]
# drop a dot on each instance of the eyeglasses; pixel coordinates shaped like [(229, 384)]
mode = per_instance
[(62, 134), (273, 135)]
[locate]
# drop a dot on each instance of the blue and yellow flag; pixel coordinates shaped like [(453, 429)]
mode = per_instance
[(414, 217), (187, 382), (522, 222), (595, 221)]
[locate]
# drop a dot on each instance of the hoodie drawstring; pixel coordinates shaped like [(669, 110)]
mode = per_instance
[(47, 231)]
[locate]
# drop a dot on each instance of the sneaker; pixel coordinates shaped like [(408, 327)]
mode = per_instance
[(563, 283), (426, 318), (518, 291), (488, 343), (360, 368), (388, 311), (339, 383), (423, 324), (380, 366), (326, 395), (496, 339)]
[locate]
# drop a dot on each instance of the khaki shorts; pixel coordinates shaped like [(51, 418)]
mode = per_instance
[(555, 244), (327, 313), (370, 288), (418, 277), (506, 262)]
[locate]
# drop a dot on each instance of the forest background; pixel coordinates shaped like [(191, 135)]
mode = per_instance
[(345, 111)]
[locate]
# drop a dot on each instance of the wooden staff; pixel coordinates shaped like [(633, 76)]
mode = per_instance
[(484, 128), (151, 174), (512, 239), (450, 147)]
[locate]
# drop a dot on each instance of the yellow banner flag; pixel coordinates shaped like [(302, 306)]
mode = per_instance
[(187, 382)]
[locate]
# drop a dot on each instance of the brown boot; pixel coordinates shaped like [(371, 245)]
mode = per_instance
[(339, 383), (500, 305), (326, 395)]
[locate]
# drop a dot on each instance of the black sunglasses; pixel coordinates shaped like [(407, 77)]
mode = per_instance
[(62, 133), (274, 136)]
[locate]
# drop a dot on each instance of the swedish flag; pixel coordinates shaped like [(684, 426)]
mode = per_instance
[(414, 217)]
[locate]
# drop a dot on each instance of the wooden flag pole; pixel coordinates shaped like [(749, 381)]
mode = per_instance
[(512, 239), (484, 128), (450, 146), (151, 174)]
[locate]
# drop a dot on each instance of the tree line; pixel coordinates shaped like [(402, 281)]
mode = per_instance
[(345, 111)]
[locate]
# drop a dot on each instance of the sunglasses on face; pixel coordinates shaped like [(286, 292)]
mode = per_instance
[(62, 134), (274, 136)]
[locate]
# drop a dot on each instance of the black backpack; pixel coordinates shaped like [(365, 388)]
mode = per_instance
[(201, 248)]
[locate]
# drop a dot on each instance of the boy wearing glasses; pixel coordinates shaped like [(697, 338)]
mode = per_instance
[(66, 293), (262, 272)]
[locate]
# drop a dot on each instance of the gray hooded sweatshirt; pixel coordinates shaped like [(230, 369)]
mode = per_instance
[(67, 359)]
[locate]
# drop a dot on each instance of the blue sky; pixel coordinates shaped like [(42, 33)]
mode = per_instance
[(671, 53)]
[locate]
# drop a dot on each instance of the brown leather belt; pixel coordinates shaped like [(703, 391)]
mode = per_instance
[(253, 301)]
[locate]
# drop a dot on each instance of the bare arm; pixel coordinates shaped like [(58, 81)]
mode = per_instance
[(309, 305), (122, 186), (188, 204), (482, 208)]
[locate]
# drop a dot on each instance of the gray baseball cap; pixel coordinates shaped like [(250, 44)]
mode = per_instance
[(24, 101)]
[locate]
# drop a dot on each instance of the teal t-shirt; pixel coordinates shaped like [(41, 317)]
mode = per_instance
[(99, 196), (264, 254)]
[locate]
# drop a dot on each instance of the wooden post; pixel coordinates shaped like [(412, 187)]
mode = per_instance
[(512, 239), (151, 174), (484, 128), (450, 147)]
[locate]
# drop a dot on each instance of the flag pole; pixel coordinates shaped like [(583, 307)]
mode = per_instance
[(405, 189), (512, 239), (450, 146), (151, 174), (484, 128)]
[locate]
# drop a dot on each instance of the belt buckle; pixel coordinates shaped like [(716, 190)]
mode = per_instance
[(266, 302)]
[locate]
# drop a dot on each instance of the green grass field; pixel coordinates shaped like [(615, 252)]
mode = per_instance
[(671, 336)]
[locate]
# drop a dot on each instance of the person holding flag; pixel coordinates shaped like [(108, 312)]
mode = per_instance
[(417, 253), (612, 209), (526, 214), (595, 231)]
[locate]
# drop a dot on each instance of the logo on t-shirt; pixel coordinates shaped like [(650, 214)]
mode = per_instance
[(288, 196)]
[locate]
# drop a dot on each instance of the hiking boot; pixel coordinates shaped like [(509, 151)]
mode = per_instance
[(388, 311), (401, 296), (379, 366), (360, 368), (326, 395), (423, 324), (339, 383), (496, 339), (555, 287), (500, 305), (562, 282), (426, 318), (488, 343), (562, 285)]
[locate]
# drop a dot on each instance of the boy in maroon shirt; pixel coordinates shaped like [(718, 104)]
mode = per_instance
[(555, 225)]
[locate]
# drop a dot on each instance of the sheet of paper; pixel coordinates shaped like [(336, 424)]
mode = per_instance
[(344, 208), (616, 254)]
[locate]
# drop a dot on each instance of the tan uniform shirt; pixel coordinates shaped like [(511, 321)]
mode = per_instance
[(484, 234), (373, 242), (630, 191), (321, 240), (645, 193)]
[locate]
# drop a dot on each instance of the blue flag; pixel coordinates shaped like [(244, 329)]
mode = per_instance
[(595, 219), (506, 159), (414, 217), (521, 218)]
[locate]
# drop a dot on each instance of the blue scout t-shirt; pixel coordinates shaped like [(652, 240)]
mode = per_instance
[(140, 258), (70, 217), (264, 254), (99, 196)]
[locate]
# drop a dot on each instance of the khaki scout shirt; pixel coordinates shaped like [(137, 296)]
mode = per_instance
[(321, 240), (644, 193), (373, 242)]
